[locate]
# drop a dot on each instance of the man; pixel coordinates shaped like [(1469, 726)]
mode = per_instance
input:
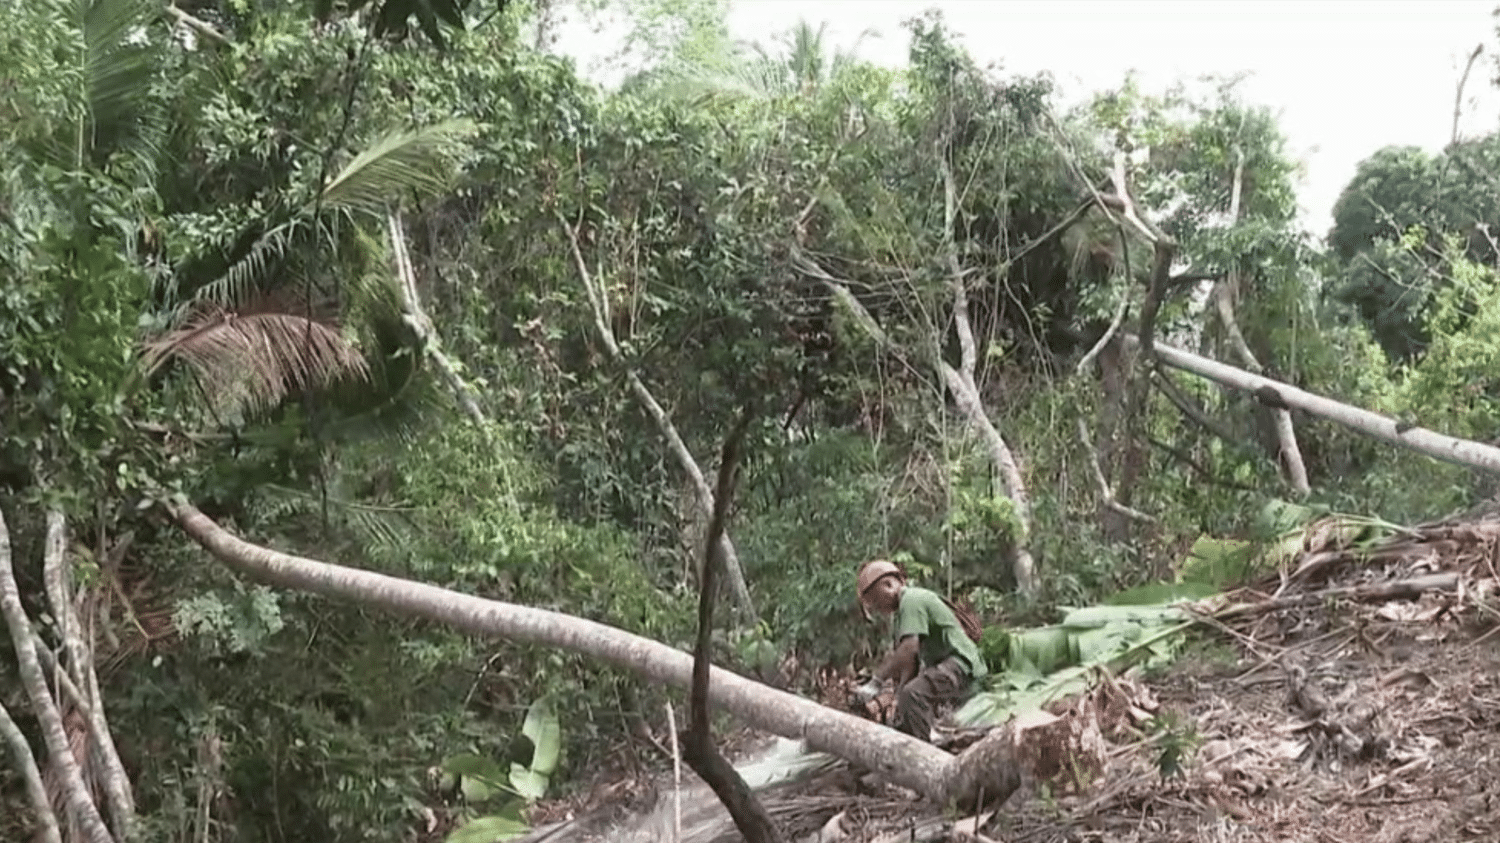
[(933, 659)]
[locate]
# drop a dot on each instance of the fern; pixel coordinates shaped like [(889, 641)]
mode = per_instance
[(417, 161)]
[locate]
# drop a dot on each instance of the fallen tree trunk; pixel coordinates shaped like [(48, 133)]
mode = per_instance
[(986, 771), (1276, 394)]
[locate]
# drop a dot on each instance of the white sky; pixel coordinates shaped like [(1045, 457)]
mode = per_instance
[(1347, 77)]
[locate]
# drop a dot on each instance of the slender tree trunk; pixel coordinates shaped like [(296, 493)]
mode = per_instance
[(961, 382), (967, 397), (1276, 394), (80, 806), (1137, 390), (36, 790), (1289, 455), (416, 318), (599, 303), (80, 669), (985, 769), (749, 814)]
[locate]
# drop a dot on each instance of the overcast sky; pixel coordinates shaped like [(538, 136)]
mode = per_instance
[(1346, 76)]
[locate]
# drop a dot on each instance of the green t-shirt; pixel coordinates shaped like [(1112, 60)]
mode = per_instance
[(939, 634)]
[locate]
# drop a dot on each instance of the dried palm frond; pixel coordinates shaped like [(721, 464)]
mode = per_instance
[(255, 360)]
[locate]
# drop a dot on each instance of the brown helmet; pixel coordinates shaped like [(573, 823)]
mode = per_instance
[(871, 572)]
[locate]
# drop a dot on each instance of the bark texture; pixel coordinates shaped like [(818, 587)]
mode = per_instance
[(81, 811), (1272, 393), (900, 758)]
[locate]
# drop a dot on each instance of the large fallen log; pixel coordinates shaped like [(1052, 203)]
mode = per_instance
[(1276, 394), (985, 773)]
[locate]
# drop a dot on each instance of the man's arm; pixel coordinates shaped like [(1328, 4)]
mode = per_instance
[(901, 663)]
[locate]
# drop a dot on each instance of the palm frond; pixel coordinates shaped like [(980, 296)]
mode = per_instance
[(419, 160), (379, 529), (253, 361), (117, 67), (234, 286), (402, 401)]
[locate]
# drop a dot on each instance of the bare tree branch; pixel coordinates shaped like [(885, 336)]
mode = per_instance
[(80, 806), (1109, 334), (967, 354), (1290, 454), (56, 575), (1192, 411), (599, 304), (417, 319), (1106, 495), (198, 25), (36, 790), (1198, 468), (1458, 96), (966, 394), (1148, 230)]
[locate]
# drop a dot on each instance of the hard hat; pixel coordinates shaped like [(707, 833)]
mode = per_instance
[(871, 571)]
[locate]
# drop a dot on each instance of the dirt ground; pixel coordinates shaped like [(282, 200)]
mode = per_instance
[(1386, 731), (1357, 698)]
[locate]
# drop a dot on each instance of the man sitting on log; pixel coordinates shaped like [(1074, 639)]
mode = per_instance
[(934, 658)]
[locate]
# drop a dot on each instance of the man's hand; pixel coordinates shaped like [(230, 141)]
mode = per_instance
[(868, 691)]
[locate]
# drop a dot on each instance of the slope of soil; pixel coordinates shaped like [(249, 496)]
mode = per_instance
[(1353, 697)]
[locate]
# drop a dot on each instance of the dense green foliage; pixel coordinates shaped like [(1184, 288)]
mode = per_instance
[(157, 179)]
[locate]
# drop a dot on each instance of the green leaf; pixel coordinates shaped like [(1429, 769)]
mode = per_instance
[(117, 72), (401, 161), (545, 731), (1093, 617), (529, 784), (1216, 562), (1161, 593), (480, 778), (488, 830)]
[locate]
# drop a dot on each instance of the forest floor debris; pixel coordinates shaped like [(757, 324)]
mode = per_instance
[(1369, 713)]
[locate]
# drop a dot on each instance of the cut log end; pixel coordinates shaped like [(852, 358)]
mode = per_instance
[(986, 774)]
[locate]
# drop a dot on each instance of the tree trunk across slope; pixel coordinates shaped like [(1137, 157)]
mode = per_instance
[(985, 770), (1276, 394)]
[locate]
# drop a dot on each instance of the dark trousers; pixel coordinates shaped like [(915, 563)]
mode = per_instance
[(917, 701)]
